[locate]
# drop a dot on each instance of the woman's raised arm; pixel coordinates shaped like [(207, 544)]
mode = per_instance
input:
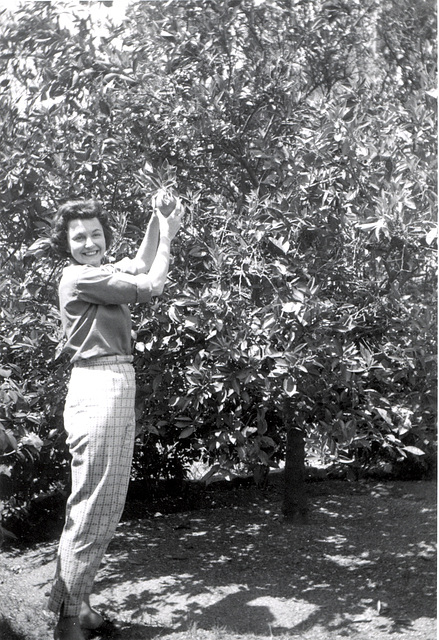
[(147, 252)]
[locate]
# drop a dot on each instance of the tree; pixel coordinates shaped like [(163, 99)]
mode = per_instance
[(304, 278), (305, 180)]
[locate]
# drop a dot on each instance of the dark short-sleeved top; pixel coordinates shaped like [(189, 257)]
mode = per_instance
[(94, 312)]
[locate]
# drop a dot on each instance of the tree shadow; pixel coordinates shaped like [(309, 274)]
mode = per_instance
[(127, 631), (7, 632), (366, 556)]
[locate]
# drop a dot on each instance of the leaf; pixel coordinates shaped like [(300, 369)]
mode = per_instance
[(32, 440), (191, 322), (431, 236), (385, 415), (10, 438), (167, 35), (157, 381), (414, 450), (39, 247), (209, 475), (281, 244), (269, 321), (147, 167), (172, 312), (5, 533), (290, 387), (186, 433), (103, 106), (289, 307)]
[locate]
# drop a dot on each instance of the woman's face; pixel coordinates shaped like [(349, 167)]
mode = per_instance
[(86, 241)]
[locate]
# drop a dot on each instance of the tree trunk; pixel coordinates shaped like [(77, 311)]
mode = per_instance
[(295, 506)]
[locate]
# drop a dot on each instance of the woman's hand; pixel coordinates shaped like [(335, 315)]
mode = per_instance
[(169, 210), (165, 202)]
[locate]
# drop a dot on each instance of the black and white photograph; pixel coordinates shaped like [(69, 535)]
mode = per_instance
[(218, 319)]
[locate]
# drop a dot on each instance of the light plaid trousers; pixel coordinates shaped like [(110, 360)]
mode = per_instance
[(100, 423)]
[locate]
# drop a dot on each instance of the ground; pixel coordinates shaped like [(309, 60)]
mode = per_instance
[(364, 567)]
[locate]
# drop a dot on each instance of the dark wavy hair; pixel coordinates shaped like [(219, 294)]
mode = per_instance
[(74, 210)]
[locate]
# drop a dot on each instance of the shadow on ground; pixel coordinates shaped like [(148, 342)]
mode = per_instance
[(8, 633), (365, 562)]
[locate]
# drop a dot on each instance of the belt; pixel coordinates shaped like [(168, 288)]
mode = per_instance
[(99, 360)]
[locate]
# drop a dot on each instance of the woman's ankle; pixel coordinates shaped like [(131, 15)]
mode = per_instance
[(89, 618)]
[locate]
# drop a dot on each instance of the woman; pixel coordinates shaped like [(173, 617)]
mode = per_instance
[(99, 410)]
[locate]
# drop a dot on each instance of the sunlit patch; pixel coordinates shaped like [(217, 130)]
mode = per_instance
[(337, 539), (350, 562), (286, 613), (165, 601)]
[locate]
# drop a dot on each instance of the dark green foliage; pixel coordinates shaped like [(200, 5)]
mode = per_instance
[(302, 137)]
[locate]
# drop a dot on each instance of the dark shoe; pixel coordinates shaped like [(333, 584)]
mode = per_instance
[(105, 630), (57, 634)]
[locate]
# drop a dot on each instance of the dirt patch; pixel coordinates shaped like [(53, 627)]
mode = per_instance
[(364, 567)]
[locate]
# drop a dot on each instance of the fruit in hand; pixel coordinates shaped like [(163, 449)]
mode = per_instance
[(165, 202)]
